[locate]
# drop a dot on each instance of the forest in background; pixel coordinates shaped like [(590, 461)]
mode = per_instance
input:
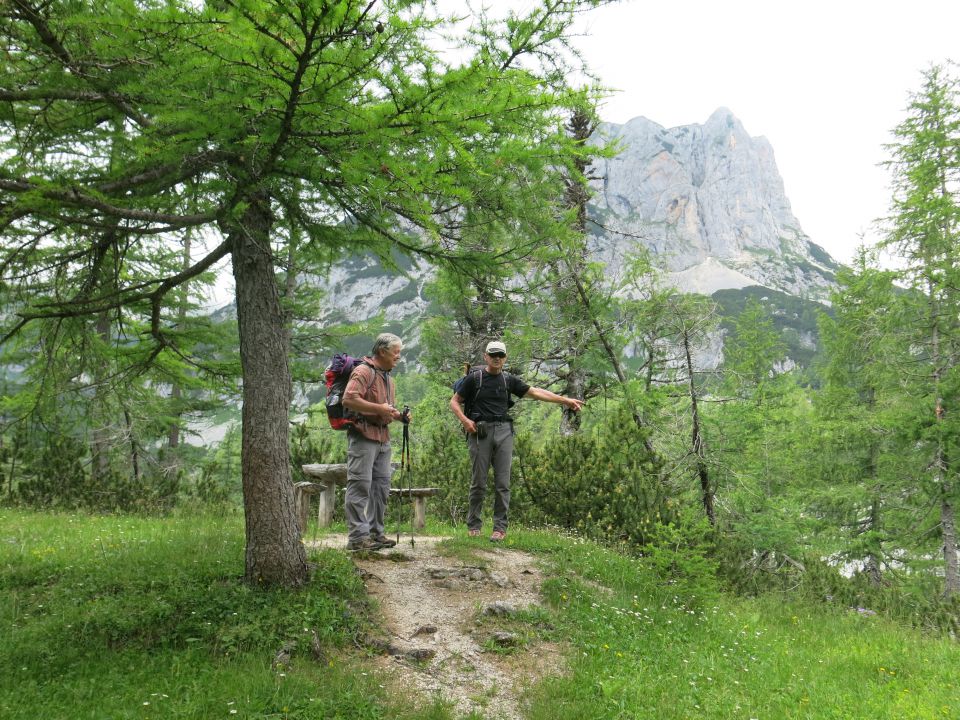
[(836, 479)]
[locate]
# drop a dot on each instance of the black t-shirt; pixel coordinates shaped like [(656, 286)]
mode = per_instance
[(495, 390)]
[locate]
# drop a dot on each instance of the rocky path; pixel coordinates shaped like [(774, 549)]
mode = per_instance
[(440, 617)]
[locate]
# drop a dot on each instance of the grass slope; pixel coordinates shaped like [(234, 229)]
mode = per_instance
[(122, 617)]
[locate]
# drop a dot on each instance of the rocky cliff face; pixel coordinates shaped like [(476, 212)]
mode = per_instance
[(706, 199), (709, 202)]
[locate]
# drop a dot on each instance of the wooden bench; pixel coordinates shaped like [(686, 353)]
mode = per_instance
[(419, 496), (328, 476)]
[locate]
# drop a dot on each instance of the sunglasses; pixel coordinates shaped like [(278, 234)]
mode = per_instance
[(497, 354)]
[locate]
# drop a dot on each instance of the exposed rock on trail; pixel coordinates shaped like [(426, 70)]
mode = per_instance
[(440, 616)]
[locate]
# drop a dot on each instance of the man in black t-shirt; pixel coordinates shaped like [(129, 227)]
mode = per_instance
[(481, 405)]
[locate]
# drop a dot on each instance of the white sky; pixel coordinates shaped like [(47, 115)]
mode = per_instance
[(824, 82)]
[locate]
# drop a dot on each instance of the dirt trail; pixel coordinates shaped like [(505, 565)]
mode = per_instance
[(441, 604)]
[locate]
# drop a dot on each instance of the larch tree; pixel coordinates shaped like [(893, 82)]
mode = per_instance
[(924, 229), (858, 407), (243, 119), (691, 320)]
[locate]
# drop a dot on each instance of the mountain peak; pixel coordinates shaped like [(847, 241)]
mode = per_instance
[(723, 114), (700, 195)]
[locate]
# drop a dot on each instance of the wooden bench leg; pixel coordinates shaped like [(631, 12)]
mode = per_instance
[(419, 513), (328, 497), (302, 503)]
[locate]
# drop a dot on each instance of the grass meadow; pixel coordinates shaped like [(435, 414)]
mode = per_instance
[(129, 617)]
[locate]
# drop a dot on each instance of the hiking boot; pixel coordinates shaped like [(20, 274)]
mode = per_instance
[(364, 544), (384, 541), (473, 533), (498, 535)]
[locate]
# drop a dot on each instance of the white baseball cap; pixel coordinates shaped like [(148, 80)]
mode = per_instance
[(496, 346)]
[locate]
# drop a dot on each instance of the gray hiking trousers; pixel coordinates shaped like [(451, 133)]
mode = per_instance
[(368, 485), (496, 449)]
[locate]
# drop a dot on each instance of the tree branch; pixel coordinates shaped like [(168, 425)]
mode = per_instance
[(222, 250), (75, 308), (76, 198), (33, 16), (50, 94)]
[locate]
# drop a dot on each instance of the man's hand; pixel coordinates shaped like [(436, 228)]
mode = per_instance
[(574, 404), (386, 413), (470, 426)]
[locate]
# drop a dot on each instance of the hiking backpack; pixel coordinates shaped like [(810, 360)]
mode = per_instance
[(337, 376)]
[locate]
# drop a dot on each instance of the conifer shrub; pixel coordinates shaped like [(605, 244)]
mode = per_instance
[(217, 483), (440, 456), (49, 466), (312, 441), (55, 472), (914, 599), (602, 483), (50, 472)]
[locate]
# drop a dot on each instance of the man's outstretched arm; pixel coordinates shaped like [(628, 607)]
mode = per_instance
[(552, 397)]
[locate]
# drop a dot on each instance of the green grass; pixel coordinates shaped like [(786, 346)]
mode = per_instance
[(644, 650), (121, 617)]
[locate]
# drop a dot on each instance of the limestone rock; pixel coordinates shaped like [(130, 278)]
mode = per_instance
[(500, 608), (709, 201)]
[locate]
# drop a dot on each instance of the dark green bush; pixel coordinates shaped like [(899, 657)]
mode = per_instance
[(50, 473), (603, 483), (440, 456)]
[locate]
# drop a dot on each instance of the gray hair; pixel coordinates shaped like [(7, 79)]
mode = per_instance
[(384, 342)]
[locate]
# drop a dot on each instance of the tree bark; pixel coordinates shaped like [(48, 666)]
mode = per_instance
[(274, 553), (873, 563), (577, 195), (101, 441), (614, 360), (951, 572), (697, 444), (575, 387), (170, 459), (134, 450), (949, 526), (176, 392)]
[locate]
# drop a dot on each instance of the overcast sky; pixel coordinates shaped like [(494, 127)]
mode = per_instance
[(824, 82)]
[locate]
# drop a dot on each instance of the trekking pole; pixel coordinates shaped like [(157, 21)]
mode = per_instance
[(406, 467)]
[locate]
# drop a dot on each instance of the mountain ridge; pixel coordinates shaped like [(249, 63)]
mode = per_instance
[(706, 200), (696, 194)]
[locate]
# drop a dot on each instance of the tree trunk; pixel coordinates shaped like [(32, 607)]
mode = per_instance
[(951, 575), (274, 553), (614, 361), (575, 387), (170, 456), (134, 451), (101, 441), (13, 464), (697, 445), (873, 561), (948, 523), (176, 392), (577, 195)]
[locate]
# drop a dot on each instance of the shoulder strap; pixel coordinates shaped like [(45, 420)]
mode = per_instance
[(373, 375), (386, 380), (479, 375)]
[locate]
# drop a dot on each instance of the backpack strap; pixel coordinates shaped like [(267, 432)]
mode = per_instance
[(468, 406), (391, 391), (479, 375)]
